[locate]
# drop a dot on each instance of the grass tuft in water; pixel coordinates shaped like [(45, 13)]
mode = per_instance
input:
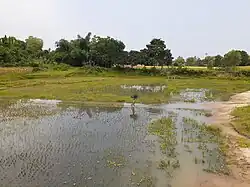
[(208, 114), (189, 100), (164, 128)]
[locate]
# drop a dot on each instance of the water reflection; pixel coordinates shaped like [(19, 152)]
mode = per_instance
[(196, 95), (83, 145), (145, 88), (133, 115), (62, 149)]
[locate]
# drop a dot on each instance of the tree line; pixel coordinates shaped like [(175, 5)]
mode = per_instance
[(230, 59), (105, 52)]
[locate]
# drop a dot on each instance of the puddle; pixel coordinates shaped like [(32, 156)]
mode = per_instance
[(144, 88), (45, 101), (196, 95), (79, 145)]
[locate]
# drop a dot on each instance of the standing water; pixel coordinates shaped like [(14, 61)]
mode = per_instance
[(48, 143)]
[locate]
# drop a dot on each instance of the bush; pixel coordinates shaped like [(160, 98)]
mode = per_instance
[(61, 67), (36, 69)]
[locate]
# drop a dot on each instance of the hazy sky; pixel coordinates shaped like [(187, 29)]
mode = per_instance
[(189, 27)]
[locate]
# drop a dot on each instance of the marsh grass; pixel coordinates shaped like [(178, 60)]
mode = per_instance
[(210, 143), (241, 121), (189, 101), (243, 142), (78, 84), (205, 113), (141, 178), (164, 128)]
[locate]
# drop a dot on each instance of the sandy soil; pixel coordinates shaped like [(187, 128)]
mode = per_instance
[(238, 158)]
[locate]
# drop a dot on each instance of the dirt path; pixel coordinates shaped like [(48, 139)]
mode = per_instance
[(237, 158)]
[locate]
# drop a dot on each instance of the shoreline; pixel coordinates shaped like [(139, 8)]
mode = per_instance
[(238, 158)]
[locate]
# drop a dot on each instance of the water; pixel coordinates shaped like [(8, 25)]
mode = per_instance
[(148, 88), (47, 143)]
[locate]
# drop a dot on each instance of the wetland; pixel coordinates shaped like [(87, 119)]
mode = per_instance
[(83, 131)]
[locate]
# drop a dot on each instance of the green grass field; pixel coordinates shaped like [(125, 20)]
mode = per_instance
[(75, 85)]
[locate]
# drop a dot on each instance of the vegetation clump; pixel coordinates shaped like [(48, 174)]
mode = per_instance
[(241, 121), (164, 128)]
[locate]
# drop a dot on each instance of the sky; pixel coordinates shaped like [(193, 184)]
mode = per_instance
[(189, 27)]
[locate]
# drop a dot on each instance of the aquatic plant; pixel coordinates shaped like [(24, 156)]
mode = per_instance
[(164, 128)]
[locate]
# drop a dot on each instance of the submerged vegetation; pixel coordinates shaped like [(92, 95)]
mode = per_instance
[(204, 143), (98, 71), (165, 129), (211, 144)]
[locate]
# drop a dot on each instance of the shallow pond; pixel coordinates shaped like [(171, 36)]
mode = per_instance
[(48, 143)]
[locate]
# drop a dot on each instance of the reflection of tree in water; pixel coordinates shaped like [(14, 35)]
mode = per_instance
[(154, 110), (133, 115), (92, 110)]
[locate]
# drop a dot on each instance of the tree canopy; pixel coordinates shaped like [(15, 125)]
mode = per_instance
[(105, 52)]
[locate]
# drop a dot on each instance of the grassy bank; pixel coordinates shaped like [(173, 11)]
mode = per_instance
[(241, 121), (77, 84)]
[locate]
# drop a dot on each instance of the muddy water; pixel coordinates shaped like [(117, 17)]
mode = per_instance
[(44, 143)]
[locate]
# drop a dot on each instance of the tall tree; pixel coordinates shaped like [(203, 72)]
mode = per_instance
[(105, 51), (232, 59), (244, 58), (134, 57), (191, 61), (157, 50), (209, 61), (12, 51), (218, 61), (80, 50), (62, 51), (179, 61), (34, 46)]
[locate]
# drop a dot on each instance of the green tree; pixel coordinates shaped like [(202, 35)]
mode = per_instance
[(168, 58), (62, 51), (12, 52), (123, 59), (218, 61), (244, 58), (157, 50), (106, 51), (179, 61), (80, 50), (134, 57), (232, 59), (209, 61), (34, 46), (144, 59), (191, 61)]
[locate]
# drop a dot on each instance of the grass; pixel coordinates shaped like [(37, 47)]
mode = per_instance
[(8, 70), (243, 142), (164, 128), (78, 85), (241, 121), (189, 100)]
